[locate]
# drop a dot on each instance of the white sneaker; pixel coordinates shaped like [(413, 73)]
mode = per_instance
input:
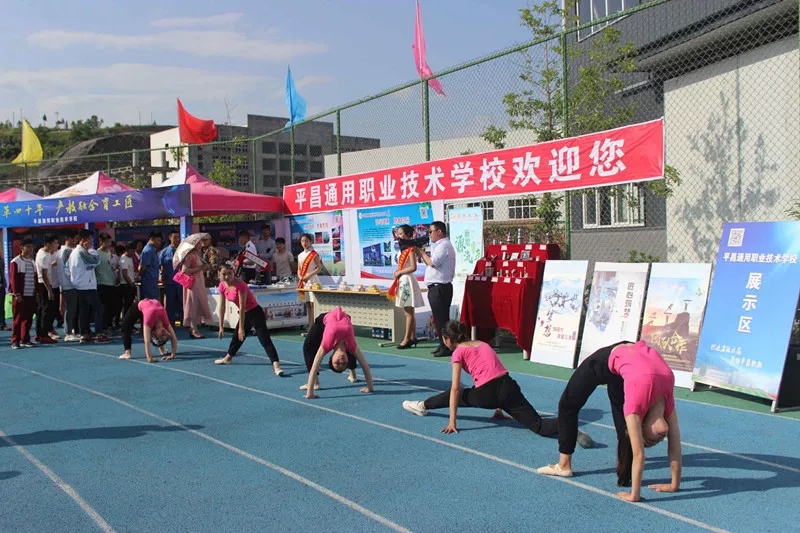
[(418, 408), (71, 338)]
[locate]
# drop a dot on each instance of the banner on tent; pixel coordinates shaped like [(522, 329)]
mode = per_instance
[(627, 154), (751, 308), (327, 229), (142, 204), (376, 239)]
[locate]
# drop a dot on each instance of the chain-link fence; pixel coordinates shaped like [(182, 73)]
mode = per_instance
[(725, 75)]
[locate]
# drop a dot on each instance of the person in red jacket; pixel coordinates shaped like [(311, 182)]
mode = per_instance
[(23, 287)]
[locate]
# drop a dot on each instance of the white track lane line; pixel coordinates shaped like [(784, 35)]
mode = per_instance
[(597, 424), (60, 483), (526, 468), (288, 473)]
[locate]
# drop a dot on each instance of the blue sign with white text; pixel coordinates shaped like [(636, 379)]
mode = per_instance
[(142, 204), (751, 308)]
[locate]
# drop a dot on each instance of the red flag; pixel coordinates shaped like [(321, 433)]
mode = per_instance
[(194, 130), (419, 55)]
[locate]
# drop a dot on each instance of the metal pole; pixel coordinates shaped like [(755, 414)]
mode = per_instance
[(291, 140), (339, 143), (25, 177), (426, 120), (565, 134)]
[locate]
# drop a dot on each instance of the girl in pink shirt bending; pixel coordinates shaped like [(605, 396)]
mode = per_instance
[(333, 331), (156, 329), (641, 391), (494, 388), (251, 316)]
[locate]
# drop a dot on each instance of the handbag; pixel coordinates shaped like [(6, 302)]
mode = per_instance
[(183, 279)]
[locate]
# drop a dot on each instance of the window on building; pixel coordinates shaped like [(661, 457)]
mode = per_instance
[(487, 208), (300, 165), (591, 10), (300, 149), (521, 208), (286, 165), (285, 149), (617, 206), (316, 167), (267, 147), (315, 151), (267, 164)]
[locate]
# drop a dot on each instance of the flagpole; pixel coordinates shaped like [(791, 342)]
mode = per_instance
[(291, 128), (426, 119)]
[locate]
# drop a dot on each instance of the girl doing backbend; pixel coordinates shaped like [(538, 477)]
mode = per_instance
[(641, 391), (156, 329), (333, 331)]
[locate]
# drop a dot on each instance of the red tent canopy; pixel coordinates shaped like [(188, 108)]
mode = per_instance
[(17, 195), (210, 199)]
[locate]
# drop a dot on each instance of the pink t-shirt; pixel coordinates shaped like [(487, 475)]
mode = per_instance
[(232, 294), (480, 362), (152, 313), (646, 376), (338, 327)]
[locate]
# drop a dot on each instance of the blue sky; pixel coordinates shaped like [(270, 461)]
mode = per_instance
[(120, 59)]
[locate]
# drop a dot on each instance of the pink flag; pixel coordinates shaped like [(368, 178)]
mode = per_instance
[(419, 55)]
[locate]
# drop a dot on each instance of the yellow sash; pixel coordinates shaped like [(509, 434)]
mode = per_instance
[(401, 264)]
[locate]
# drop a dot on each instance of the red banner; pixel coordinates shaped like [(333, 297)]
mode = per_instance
[(623, 155)]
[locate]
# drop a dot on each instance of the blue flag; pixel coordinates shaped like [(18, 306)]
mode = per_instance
[(295, 102)]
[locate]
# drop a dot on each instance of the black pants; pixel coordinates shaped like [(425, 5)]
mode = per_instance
[(500, 393), (589, 375), (108, 296), (254, 319), (314, 341), (127, 296), (89, 302), (440, 297), (46, 311), (128, 324)]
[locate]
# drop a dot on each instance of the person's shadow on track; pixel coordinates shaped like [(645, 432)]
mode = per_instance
[(695, 485), (49, 436)]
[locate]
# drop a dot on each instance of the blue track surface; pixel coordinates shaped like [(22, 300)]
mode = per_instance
[(96, 443)]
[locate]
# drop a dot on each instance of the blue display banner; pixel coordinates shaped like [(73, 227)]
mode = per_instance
[(751, 308), (142, 204), (377, 241)]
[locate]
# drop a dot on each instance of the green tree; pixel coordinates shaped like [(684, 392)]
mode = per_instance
[(591, 98), (83, 130)]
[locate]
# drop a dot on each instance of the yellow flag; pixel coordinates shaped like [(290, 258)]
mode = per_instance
[(31, 147)]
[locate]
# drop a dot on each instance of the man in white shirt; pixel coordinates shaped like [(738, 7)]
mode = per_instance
[(81, 271), (439, 280), (282, 259), (48, 289), (69, 296), (265, 247), (127, 275)]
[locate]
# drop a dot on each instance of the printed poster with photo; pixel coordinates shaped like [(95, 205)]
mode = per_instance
[(673, 314), (377, 243), (560, 309), (614, 312), (328, 232), (751, 308)]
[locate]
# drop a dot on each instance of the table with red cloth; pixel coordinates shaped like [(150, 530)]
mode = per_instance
[(502, 302)]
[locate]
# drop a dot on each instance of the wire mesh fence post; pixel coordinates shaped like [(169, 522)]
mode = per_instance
[(338, 142), (426, 119), (565, 133)]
